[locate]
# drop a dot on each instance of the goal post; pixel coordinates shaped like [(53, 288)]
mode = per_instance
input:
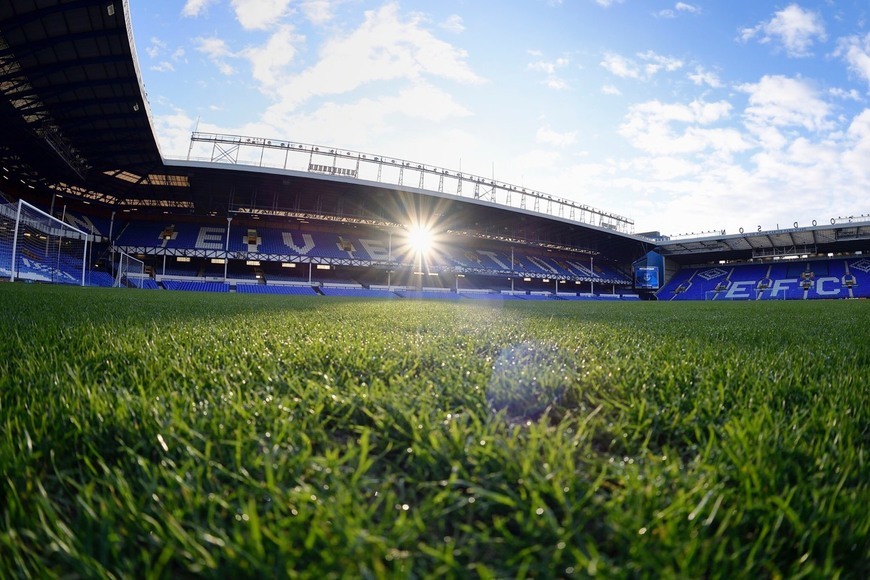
[(43, 248), (130, 272)]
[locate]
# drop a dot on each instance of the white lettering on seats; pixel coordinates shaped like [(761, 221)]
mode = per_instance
[(307, 243), (376, 249), (542, 265), (494, 257), (210, 239), (739, 289), (782, 285), (820, 287)]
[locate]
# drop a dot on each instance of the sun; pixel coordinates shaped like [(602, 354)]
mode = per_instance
[(420, 239)]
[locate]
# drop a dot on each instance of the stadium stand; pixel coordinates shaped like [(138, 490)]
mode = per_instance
[(273, 289), (336, 228), (358, 292), (792, 280), (188, 286)]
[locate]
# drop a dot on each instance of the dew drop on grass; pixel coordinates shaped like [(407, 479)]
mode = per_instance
[(539, 511)]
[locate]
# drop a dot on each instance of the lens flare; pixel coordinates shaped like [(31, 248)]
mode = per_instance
[(420, 239)]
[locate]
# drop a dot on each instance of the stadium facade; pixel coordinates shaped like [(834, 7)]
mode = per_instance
[(255, 214)]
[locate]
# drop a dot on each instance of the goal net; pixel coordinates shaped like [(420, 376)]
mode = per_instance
[(36, 246), (130, 272)]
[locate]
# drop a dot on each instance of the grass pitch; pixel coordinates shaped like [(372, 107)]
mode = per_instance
[(149, 434)]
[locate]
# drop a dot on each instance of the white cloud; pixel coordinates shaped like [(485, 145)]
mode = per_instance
[(368, 120), (650, 65), (780, 101), (385, 47), (212, 46), (855, 157), (705, 77), (164, 66), (549, 68), (797, 29), (260, 14), (678, 7), (195, 7), (690, 8), (173, 131), (856, 52), (611, 90), (318, 11), (547, 136), (671, 129), (850, 95), (454, 24), (620, 66), (217, 51), (156, 47), (666, 168), (608, 3), (656, 62), (269, 60)]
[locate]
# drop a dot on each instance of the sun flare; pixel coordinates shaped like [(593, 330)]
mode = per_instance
[(420, 239)]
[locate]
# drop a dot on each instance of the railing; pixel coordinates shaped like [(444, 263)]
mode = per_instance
[(354, 165)]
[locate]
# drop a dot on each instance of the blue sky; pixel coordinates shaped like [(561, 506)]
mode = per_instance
[(684, 116)]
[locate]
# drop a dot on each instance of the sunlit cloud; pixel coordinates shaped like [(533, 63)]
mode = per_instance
[(856, 52), (260, 14), (704, 77), (781, 101), (386, 47), (547, 136), (453, 24), (649, 64), (194, 8), (218, 52), (795, 28)]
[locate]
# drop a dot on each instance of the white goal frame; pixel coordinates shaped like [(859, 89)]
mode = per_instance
[(130, 271), (32, 218)]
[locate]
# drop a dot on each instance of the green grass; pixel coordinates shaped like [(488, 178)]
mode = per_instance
[(157, 434)]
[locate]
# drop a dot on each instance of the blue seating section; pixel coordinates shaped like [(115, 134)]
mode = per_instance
[(101, 279), (275, 289), (293, 244), (358, 293), (196, 286), (792, 280), (428, 294)]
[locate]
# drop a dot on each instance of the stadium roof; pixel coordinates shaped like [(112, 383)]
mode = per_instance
[(74, 104), (847, 234)]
